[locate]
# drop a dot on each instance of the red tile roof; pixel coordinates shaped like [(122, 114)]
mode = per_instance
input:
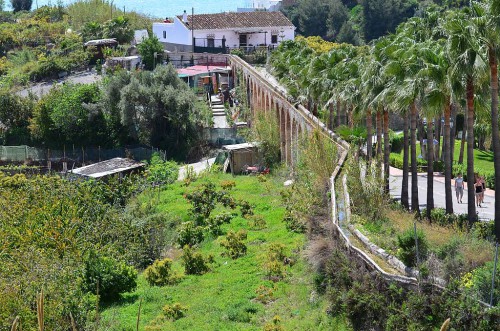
[(231, 20)]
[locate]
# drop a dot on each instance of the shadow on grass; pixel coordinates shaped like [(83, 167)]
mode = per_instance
[(126, 299), (484, 156)]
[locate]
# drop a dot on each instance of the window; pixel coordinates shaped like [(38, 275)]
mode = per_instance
[(164, 34), (211, 42), (274, 39)]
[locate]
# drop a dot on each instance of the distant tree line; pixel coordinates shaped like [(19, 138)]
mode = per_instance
[(356, 21)]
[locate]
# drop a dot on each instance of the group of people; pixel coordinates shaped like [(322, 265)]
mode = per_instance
[(227, 96), (479, 188)]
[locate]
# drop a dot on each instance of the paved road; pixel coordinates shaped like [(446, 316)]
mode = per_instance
[(85, 77), (487, 212)]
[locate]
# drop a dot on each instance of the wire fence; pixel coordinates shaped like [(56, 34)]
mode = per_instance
[(222, 136), (78, 155)]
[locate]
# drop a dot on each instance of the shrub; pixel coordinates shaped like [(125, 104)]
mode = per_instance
[(481, 282), (407, 249), (242, 312), (234, 244), (265, 130), (162, 172), (274, 325), (174, 311), (245, 208), (147, 49), (484, 230), (396, 141), (227, 184), (352, 135), (205, 199), (213, 224), (274, 262), (108, 276), (292, 219), (195, 263), (257, 222), (238, 52), (264, 294), (160, 273), (189, 234)]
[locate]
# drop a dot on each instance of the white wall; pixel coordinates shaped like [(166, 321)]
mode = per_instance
[(254, 39), (176, 32)]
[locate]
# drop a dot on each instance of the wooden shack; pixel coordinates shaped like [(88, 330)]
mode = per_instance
[(239, 156)]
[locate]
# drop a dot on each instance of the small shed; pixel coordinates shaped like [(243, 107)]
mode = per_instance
[(99, 45), (117, 166), (239, 156)]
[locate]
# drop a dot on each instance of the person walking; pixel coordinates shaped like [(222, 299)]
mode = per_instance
[(478, 187), (459, 188), (483, 184)]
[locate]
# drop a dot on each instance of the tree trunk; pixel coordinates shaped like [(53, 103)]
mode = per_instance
[(413, 143), (422, 135), (495, 134), (437, 136), (430, 169), (315, 109), (331, 116), (404, 185), (387, 151), (350, 120), (343, 113), (378, 120), (338, 113), (471, 206), (369, 133), (453, 132), (447, 158), (462, 140)]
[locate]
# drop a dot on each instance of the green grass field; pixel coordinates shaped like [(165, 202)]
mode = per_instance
[(483, 160), (224, 298)]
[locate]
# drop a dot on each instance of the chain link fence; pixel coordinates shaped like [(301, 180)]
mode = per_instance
[(79, 155)]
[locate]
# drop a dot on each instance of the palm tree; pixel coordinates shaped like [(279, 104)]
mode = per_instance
[(487, 21), (408, 88), (438, 98), (462, 47)]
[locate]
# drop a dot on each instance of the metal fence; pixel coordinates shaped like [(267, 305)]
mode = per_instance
[(25, 153)]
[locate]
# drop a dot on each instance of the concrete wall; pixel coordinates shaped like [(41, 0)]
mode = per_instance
[(174, 33)]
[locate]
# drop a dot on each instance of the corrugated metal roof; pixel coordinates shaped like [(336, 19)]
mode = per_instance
[(231, 20), (108, 167)]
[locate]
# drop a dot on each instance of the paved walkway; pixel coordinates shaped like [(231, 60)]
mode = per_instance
[(219, 113), (197, 167), (486, 212)]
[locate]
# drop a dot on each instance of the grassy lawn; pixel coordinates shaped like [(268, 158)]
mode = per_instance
[(482, 159), (224, 298)]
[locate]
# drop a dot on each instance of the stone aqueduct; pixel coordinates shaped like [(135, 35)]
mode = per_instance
[(294, 120)]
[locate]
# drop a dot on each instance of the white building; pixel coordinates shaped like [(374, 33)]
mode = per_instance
[(224, 30)]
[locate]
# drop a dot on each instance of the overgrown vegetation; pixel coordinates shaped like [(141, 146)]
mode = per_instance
[(48, 41), (447, 248), (216, 290)]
